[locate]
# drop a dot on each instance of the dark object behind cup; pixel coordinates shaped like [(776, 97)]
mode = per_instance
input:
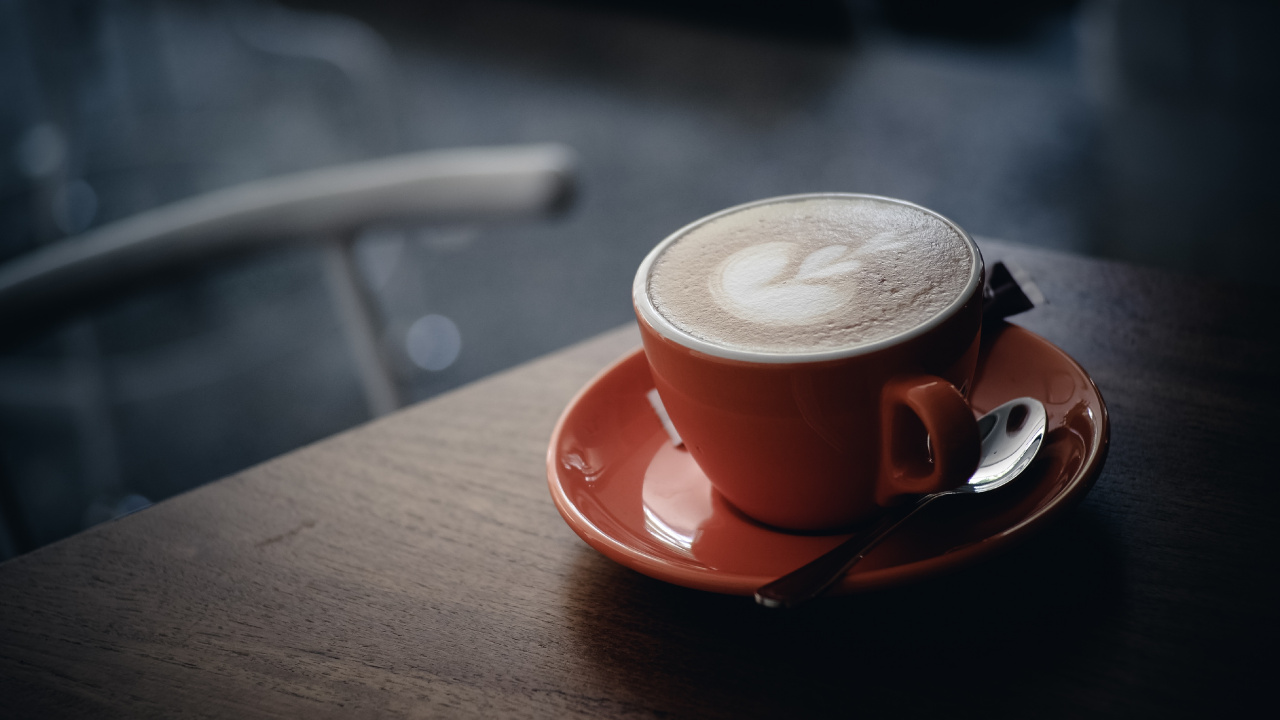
[(1007, 292)]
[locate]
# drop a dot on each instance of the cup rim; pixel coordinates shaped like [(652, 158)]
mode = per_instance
[(650, 315)]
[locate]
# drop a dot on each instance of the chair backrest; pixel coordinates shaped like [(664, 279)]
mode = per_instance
[(491, 182)]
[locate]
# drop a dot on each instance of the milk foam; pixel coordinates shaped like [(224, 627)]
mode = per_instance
[(811, 274)]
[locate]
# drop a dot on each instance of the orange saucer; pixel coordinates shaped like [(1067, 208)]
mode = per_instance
[(619, 483)]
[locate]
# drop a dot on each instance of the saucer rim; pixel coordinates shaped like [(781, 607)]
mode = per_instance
[(669, 569)]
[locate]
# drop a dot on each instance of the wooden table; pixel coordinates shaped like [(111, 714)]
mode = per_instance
[(415, 566)]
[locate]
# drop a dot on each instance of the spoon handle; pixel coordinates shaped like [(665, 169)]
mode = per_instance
[(812, 578)]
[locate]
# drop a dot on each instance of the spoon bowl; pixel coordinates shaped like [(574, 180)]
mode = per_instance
[(1011, 436)]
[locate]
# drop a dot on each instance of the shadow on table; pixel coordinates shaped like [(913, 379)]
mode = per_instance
[(940, 647)]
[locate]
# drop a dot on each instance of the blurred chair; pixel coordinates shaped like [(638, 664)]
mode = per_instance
[(324, 207)]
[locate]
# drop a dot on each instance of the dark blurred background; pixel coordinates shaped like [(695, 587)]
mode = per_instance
[(1142, 130)]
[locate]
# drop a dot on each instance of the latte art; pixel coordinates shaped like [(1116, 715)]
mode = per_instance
[(810, 274), (753, 286)]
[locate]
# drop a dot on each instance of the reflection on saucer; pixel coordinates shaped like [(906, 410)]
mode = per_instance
[(676, 498)]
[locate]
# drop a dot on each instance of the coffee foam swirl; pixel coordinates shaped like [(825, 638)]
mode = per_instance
[(812, 274)]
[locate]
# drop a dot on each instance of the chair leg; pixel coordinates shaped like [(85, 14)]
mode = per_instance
[(91, 411), (353, 301)]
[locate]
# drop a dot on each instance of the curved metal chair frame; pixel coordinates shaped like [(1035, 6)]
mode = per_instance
[(324, 207)]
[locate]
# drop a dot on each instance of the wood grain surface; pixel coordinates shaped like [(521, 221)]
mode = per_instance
[(415, 567)]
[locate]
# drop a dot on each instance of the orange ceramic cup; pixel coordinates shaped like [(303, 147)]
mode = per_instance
[(820, 441)]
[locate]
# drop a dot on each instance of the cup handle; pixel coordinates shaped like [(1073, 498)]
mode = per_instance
[(929, 438)]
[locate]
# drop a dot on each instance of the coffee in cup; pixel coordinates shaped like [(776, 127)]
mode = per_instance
[(813, 351)]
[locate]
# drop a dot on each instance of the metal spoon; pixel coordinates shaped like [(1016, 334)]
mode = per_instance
[(1011, 436)]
